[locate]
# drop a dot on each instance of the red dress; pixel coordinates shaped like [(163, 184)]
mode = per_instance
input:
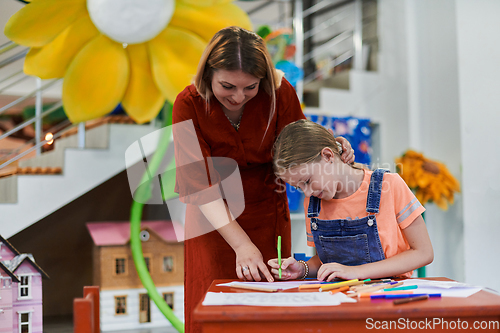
[(266, 216)]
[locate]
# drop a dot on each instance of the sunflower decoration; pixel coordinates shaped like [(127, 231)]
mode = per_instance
[(431, 180), (137, 52)]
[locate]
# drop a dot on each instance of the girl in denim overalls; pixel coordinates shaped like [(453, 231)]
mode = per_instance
[(371, 226)]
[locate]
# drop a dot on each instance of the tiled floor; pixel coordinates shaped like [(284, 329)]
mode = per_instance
[(65, 325)]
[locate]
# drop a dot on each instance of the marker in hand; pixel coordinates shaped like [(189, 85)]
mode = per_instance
[(279, 255)]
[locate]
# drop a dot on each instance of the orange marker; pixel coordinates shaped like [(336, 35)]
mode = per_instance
[(345, 288)]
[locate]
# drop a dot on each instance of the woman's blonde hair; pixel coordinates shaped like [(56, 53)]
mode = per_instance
[(235, 48), (301, 142)]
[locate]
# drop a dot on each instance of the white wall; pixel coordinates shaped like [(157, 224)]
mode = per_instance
[(387, 103), (478, 31), (130, 320), (452, 80), (434, 118), (414, 97)]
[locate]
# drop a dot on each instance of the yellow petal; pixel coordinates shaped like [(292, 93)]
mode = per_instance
[(96, 80), (206, 21), (204, 3), (441, 203), (39, 22), (142, 100), (52, 60), (174, 55)]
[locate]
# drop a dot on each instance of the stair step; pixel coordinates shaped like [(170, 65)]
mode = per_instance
[(82, 170)]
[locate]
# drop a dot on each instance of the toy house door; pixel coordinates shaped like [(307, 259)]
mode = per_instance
[(144, 309)]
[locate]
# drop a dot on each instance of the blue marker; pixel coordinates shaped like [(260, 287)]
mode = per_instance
[(402, 296)]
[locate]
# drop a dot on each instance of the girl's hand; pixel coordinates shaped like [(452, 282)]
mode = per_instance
[(250, 264), (347, 151), (291, 269), (328, 272)]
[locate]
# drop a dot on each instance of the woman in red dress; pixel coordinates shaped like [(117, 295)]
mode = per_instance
[(252, 104)]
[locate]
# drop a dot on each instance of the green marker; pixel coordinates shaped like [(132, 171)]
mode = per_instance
[(279, 255)]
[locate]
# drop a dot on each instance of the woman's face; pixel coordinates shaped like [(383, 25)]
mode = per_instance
[(234, 88)]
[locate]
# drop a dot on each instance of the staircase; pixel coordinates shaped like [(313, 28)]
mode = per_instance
[(82, 170)]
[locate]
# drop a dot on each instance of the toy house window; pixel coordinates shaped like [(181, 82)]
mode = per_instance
[(24, 322), (169, 299), (148, 263), (120, 266), (120, 305), (24, 286), (168, 263), (6, 283)]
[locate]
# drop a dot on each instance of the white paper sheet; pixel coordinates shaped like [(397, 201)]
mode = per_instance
[(283, 285), (277, 299), (445, 288)]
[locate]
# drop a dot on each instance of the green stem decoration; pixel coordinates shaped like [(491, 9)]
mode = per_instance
[(142, 194)]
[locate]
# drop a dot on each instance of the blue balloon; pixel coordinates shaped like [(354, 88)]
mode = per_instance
[(292, 72)]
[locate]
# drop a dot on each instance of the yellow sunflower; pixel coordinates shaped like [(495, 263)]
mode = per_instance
[(137, 52), (431, 180)]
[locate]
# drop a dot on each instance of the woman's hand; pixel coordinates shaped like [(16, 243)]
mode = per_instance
[(291, 269), (328, 272), (250, 264), (347, 151)]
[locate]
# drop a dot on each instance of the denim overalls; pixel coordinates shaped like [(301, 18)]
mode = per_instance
[(349, 242)]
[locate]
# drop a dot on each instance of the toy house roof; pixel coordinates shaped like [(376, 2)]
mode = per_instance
[(14, 264), (9, 245), (9, 273), (118, 233), (10, 266)]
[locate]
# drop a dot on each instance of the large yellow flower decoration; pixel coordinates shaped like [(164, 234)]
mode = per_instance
[(431, 180), (137, 52)]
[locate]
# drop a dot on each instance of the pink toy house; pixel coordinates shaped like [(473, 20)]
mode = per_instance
[(20, 291)]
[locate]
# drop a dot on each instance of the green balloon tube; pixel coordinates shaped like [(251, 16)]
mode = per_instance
[(143, 193)]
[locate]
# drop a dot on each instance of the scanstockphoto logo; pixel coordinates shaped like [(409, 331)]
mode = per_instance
[(202, 182)]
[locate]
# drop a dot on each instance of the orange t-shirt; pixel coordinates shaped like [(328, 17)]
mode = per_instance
[(398, 209)]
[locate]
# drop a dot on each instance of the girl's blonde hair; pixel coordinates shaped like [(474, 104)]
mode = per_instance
[(235, 48), (301, 142)]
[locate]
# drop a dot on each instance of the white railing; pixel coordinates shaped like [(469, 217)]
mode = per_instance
[(39, 140), (346, 9), (343, 16)]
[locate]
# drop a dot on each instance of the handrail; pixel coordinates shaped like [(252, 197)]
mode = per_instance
[(7, 47), (337, 61), (31, 121), (33, 93), (54, 129), (14, 83), (326, 24), (11, 76), (258, 8), (13, 58), (332, 42), (326, 4), (36, 146)]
